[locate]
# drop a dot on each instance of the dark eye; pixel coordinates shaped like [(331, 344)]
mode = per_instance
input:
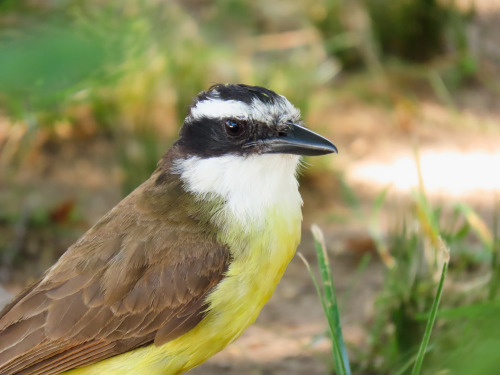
[(233, 127)]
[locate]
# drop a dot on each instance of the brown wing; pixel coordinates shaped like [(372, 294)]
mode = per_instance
[(141, 275)]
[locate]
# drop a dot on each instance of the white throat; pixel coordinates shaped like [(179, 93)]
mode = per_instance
[(249, 185)]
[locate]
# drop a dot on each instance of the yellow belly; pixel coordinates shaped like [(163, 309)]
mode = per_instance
[(255, 270)]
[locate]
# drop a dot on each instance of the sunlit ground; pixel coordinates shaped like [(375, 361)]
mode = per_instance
[(445, 172)]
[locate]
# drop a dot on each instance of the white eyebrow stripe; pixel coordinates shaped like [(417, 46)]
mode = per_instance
[(257, 110), (217, 108)]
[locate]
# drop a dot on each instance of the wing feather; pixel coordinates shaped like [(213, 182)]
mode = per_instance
[(137, 277)]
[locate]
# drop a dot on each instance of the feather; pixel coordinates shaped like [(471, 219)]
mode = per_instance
[(119, 287)]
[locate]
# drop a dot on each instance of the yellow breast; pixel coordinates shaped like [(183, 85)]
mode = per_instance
[(260, 257)]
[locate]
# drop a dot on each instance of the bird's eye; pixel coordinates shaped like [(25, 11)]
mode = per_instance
[(233, 128)]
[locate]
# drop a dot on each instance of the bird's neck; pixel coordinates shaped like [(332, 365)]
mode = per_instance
[(239, 198), (250, 187)]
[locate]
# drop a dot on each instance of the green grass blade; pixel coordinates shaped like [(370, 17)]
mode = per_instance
[(356, 278), (337, 356), (318, 291), (430, 322), (465, 312), (376, 232), (478, 225), (495, 264), (409, 362), (330, 304)]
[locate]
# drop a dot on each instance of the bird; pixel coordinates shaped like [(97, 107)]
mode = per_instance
[(180, 267)]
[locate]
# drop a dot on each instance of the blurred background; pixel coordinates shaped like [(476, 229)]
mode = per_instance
[(93, 92)]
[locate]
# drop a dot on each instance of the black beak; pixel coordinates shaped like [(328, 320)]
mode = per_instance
[(297, 140)]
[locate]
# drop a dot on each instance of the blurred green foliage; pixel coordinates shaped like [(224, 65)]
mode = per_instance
[(465, 336), (135, 65), (417, 30), (462, 342), (34, 236), (57, 52), (365, 32), (472, 331)]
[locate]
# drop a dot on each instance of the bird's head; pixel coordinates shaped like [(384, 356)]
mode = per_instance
[(242, 144), (247, 120)]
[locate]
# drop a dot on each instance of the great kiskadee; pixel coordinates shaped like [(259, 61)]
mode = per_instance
[(184, 264)]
